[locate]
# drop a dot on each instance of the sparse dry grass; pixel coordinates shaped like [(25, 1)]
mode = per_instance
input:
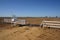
[(30, 33)]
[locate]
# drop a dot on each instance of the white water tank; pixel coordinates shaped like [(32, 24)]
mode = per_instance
[(12, 20)]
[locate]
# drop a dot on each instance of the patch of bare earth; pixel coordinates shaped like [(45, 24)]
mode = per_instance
[(30, 33)]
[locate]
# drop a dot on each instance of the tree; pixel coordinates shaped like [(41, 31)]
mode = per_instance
[(56, 16), (46, 16)]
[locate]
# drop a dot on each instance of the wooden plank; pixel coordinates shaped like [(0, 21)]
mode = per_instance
[(51, 21), (52, 24)]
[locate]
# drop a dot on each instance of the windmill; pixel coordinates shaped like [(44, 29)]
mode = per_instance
[(13, 20)]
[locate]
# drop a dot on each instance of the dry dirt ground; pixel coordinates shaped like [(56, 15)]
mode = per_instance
[(30, 33)]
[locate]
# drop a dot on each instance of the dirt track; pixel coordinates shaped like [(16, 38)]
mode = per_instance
[(30, 33)]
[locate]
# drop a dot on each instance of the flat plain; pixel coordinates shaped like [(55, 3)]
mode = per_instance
[(29, 33)]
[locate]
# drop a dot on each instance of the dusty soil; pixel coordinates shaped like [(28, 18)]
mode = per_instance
[(30, 33)]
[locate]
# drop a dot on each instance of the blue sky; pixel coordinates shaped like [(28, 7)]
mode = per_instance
[(30, 8)]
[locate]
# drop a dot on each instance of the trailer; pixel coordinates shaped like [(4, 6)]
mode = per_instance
[(15, 21)]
